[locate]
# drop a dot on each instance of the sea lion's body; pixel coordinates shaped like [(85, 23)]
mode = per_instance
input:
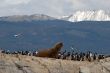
[(51, 53)]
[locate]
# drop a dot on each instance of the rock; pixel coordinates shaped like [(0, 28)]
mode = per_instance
[(31, 64)]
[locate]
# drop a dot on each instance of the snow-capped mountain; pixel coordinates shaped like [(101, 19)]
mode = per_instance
[(35, 17), (98, 15)]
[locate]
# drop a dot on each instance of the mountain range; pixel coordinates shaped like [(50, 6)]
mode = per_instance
[(94, 15), (34, 17)]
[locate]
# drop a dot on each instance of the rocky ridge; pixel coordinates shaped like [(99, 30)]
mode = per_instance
[(31, 64)]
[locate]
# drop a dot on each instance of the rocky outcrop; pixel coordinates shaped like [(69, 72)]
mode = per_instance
[(30, 64)]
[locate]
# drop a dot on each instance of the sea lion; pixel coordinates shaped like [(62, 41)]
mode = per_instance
[(52, 52)]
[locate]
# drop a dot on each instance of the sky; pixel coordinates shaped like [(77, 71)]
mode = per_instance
[(53, 8)]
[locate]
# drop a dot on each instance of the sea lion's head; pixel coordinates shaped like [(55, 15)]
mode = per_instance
[(59, 45)]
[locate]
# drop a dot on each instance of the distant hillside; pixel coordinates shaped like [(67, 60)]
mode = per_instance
[(34, 17), (32, 35)]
